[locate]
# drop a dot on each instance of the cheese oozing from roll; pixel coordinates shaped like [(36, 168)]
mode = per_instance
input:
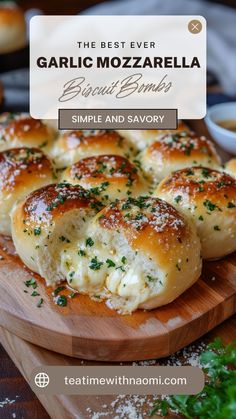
[(46, 222), (207, 197), (137, 253)]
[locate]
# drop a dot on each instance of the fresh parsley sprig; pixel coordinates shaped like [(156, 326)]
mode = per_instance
[(217, 400)]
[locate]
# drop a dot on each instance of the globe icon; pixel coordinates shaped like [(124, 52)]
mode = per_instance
[(41, 380)]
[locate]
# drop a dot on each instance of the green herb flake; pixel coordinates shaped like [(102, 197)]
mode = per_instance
[(123, 260), (61, 301), (35, 294), (230, 205), (37, 231), (40, 303), (178, 198), (110, 263), (95, 265), (58, 290), (89, 242), (31, 283)]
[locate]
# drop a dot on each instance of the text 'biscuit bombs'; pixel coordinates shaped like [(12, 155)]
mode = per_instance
[(208, 197), (22, 171), (109, 177)]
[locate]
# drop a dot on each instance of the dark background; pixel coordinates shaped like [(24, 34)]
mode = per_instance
[(56, 7)]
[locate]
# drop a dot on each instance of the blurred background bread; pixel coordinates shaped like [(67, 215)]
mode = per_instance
[(12, 28)]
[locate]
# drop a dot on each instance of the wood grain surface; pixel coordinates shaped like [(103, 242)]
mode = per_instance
[(90, 330), (27, 356)]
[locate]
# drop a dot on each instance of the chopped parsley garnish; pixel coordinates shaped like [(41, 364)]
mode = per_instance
[(64, 239), (217, 228), (40, 303), (151, 278), (95, 265), (89, 242), (217, 398), (209, 205), (200, 218), (123, 259), (31, 283), (230, 205), (110, 263), (37, 231), (205, 172), (35, 294), (81, 252), (61, 301), (178, 198), (57, 290)]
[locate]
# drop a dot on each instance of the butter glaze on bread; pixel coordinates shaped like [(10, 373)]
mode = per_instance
[(176, 151), (22, 171), (109, 177), (75, 145), (143, 254), (47, 220), (208, 197), (143, 138), (21, 130)]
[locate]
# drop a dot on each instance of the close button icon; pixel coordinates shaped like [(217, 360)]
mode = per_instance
[(194, 26)]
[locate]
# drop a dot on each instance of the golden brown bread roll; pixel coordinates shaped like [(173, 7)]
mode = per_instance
[(136, 253), (47, 221), (75, 145), (12, 28), (110, 177), (174, 152), (143, 138), (230, 167), (22, 171), (208, 197), (20, 130)]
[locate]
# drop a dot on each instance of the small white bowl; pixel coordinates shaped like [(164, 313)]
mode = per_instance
[(224, 137)]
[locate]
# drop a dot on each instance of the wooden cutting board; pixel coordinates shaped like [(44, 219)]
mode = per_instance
[(27, 357), (91, 330)]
